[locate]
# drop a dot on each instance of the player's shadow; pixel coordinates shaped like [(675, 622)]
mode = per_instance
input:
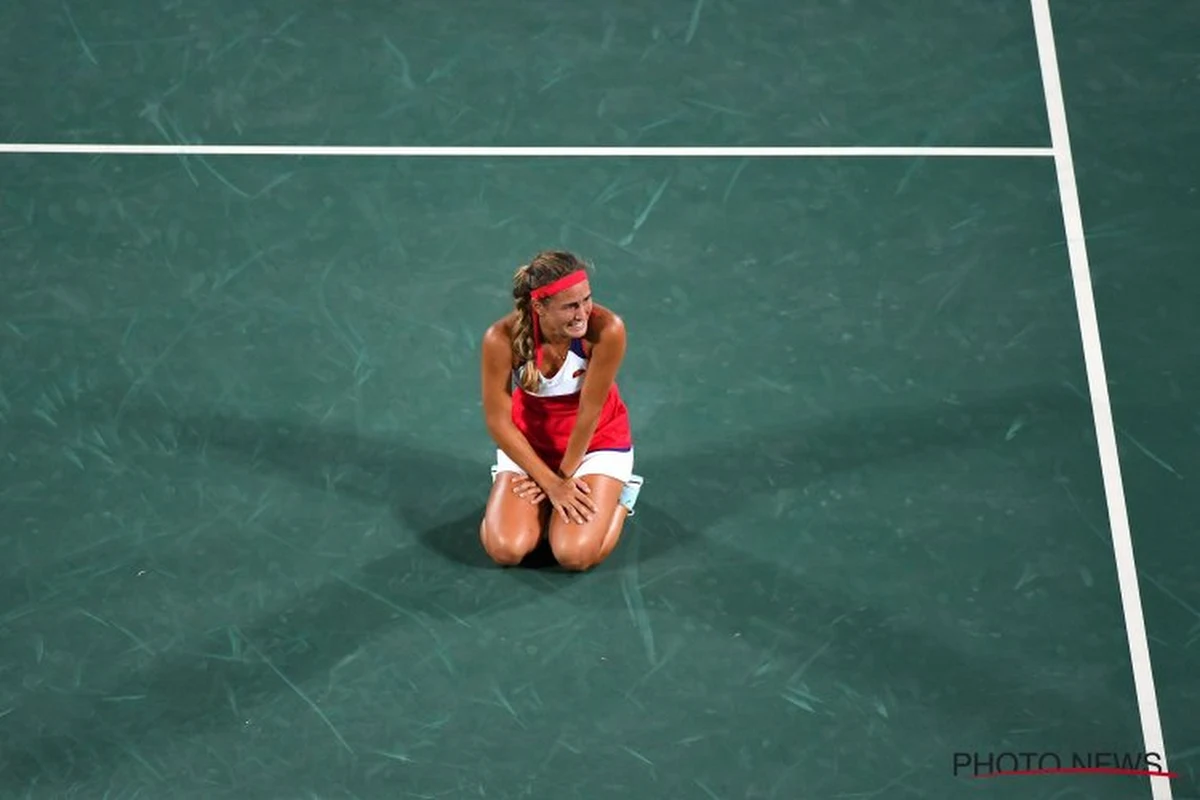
[(439, 498), (418, 485), (212, 679)]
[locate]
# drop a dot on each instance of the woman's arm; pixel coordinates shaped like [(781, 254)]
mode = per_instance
[(607, 354), (496, 374)]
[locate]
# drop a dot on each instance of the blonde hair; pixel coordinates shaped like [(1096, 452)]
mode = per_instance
[(546, 267)]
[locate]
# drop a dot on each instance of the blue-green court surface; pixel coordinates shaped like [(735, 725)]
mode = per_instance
[(243, 462)]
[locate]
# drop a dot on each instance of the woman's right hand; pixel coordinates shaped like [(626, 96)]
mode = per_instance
[(569, 496)]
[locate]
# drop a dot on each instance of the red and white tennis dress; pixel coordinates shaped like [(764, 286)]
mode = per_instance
[(547, 417)]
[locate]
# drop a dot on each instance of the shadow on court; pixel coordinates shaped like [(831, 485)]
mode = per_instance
[(191, 689)]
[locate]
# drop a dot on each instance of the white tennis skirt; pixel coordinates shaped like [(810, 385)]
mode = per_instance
[(613, 463)]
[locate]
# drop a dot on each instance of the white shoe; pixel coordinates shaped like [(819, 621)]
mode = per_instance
[(629, 494)]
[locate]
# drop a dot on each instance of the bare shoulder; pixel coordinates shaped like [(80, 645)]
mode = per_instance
[(497, 339), (499, 332), (605, 324), (605, 338)]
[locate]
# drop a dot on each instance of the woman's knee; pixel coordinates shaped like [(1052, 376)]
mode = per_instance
[(508, 545), (577, 553), (581, 547), (511, 527)]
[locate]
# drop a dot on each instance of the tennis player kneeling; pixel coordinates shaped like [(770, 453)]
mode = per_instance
[(564, 458)]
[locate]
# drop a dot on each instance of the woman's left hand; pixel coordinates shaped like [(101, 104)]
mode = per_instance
[(527, 489)]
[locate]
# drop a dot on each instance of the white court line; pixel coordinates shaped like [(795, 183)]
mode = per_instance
[(1135, 624), (534, 152)]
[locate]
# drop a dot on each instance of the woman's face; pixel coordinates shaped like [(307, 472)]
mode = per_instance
[(565, 315)]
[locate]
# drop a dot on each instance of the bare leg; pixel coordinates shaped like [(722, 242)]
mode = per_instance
[(581, 547), (511, 527), (614, 532)]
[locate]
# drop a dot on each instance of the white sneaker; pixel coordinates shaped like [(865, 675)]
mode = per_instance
[(629, 494)]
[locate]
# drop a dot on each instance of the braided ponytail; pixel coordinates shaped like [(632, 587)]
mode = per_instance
[(522, 337)]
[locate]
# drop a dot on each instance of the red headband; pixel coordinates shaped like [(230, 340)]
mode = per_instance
[(552, 288)]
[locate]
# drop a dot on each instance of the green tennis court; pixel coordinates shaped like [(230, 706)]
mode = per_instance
[(242, 459)]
